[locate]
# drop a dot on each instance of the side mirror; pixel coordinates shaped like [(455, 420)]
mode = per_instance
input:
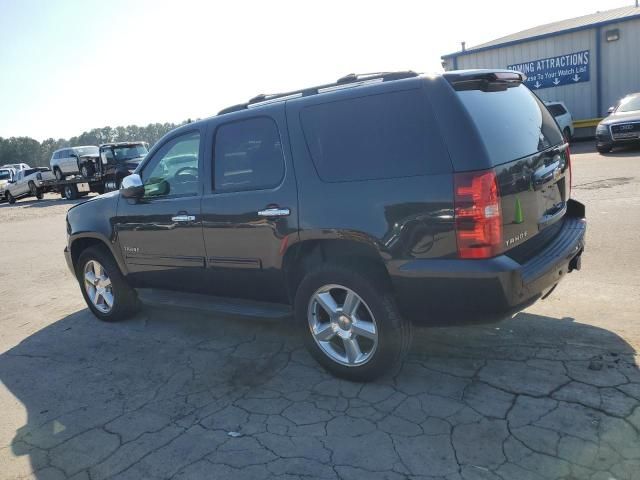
[(131, 186), (610, 110)]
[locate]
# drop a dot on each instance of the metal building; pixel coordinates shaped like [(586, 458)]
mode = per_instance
[(588, 62)]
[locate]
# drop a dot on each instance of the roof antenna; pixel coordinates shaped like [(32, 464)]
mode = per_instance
[(464, 44)]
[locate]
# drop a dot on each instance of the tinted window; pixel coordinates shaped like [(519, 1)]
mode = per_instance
[(556, 110), (248, 156), (513, 122), (378, 136), (174, 168), (128, 152), (5, 175), (30, 171)]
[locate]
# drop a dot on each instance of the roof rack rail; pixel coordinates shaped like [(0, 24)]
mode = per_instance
[(346, 81)]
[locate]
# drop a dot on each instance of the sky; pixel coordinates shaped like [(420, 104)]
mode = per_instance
[(70, 66)]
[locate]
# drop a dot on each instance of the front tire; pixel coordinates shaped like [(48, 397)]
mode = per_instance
[(59, 175), (70, 192), (86, 171), (104, 288), (567, 134), (10, 198), (604, 149), (350, 323)]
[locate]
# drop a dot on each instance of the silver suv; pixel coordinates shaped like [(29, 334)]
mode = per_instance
[(66, 160)]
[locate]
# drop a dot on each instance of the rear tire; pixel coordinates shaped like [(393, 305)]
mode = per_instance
[(109, 286), (567, 134), (382, 336)]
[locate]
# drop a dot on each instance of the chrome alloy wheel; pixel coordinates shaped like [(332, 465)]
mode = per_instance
[(342, 325), (98, 286)]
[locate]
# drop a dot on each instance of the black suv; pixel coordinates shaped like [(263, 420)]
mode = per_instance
[(358, 206)]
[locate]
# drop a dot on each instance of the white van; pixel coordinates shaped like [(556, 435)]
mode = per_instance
[(65, 161)]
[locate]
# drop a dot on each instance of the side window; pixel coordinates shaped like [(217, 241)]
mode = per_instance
[(174, 168), (374, 137), (247, 156)]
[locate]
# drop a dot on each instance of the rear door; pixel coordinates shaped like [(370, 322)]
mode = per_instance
[(524, 145), (68, 163), (249, 210)]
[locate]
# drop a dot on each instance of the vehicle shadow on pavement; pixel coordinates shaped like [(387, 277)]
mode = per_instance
[(170, 395)]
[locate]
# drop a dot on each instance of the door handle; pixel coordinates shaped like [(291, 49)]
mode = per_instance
[(274, 212), (183, 218)]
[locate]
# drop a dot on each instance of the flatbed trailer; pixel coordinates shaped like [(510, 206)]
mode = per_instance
[(75, 187)]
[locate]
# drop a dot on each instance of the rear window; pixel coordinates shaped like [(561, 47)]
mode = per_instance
[(556, 110), (513, 123), (372, 137)]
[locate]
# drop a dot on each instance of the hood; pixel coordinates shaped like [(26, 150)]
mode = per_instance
[(621, 117), (105, 196)]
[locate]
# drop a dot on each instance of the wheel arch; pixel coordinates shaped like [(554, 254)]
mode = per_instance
[(305, 255), (81, 242)]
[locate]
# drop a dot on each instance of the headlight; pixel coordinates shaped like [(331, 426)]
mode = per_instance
[(602, 129)]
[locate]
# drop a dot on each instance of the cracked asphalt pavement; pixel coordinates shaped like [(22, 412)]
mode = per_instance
[(553, 393)]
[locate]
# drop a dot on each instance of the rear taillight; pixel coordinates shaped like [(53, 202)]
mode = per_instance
[(477, 214), (567, 154)]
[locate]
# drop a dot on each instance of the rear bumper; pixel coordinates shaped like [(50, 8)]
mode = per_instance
[(467, 291)]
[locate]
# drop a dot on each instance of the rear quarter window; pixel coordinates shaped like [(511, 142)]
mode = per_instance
[(378, 136), (513, 123), (556, 110)]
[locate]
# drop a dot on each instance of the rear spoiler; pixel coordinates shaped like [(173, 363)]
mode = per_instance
[(485, 80)]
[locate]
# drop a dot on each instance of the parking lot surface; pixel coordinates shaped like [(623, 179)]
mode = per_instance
[(552, 393)]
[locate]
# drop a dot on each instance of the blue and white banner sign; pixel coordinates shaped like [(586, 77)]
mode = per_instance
[(555, 71)]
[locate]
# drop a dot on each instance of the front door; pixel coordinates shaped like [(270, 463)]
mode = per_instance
[(249, 209), (161, 234)]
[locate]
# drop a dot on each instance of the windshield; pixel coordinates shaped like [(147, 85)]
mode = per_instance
[(630, 104), (513, 122), (129, 152), (80, 151), (5, 174)]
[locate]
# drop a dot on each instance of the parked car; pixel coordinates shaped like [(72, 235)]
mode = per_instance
[(119, 160), (621, 126), (16, 166), (27, 183), (388, 219), (6, 175), (66, 161), (563, 117)]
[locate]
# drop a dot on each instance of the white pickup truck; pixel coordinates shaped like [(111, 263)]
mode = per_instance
[(27, 182)]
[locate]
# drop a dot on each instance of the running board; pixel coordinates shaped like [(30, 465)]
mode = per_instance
[(214, 305)]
